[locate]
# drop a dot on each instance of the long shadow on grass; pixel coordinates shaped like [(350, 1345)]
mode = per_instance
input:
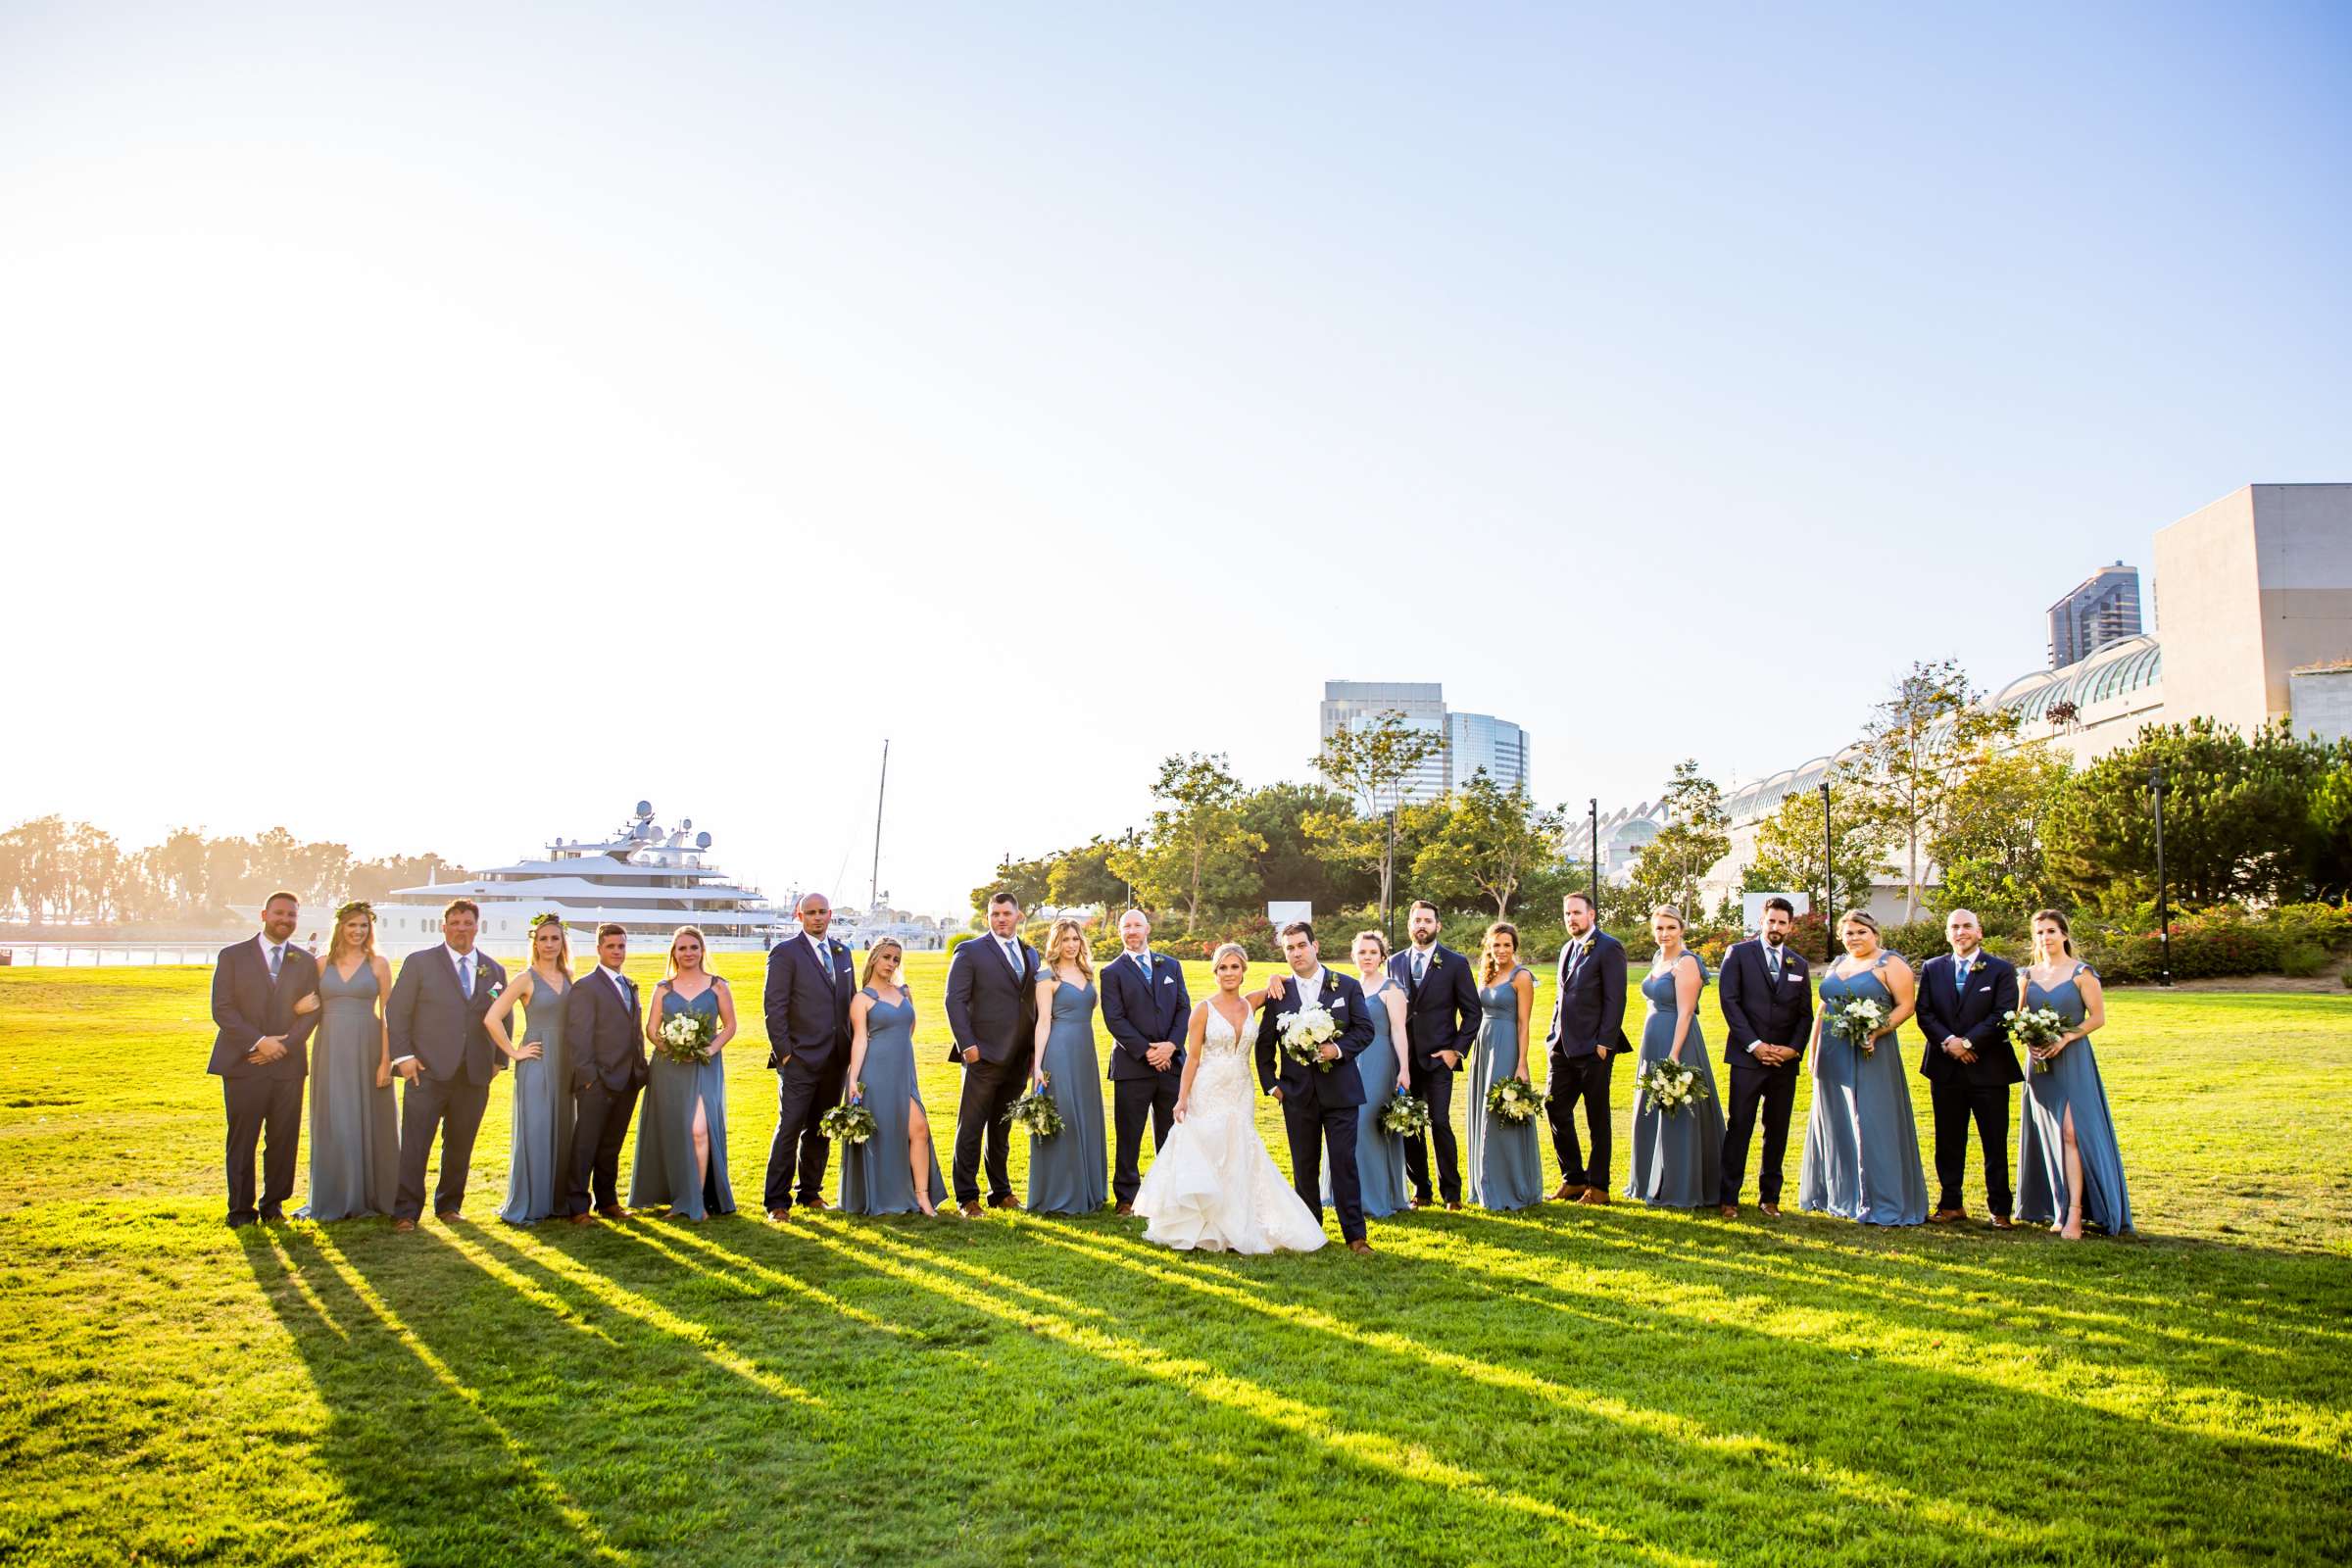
[(1647, 1386)]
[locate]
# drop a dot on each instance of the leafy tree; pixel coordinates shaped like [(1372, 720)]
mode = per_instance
[(1083, 876), (373, 880), (1988, 839), (1030, 881), (1371, 763), (1198, 853), (1697, 835), (2332, 832), (1915, 746), (1488, 844), (2239, 817), (1291, 866), (1789, 845)]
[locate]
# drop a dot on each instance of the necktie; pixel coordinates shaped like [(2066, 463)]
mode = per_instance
[(466, 977), (1143, 962), (1013, 957), (1772, 961), (1420, 965), (1960, 978), (277, 953)]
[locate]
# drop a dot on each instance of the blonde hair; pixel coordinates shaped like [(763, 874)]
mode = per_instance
[(334, 943), (1488, 968), (669, 969), (1671, 913), (1234, 948), (1065, 926), (876, 951), (563, 946)]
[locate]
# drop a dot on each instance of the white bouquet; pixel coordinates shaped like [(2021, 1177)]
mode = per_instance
[(1857, 1022), (1672, 1087), (2036, 1026), (685, 1035), (1304, 1033)]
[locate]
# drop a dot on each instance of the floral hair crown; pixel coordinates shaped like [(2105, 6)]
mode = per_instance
[(344, 912), (543, 917)]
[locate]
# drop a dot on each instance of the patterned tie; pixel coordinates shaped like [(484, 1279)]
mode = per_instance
[(277, 953), (466, 976), (1960, 978), (1772, 961), (1143, 962), (1420, 965), (1010, 956)]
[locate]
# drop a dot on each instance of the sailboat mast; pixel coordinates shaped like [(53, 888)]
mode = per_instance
[(873, 884)]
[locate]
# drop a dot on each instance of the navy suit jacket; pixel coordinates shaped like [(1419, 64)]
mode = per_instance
[(1588, 1014), (1140, 1013), (808, 1008), (1755, 1010), (1975, 1018), (604, 1036), (1338, 1085), (432, 1019), (246, 1007), (1442, 1012), (987, 1004)]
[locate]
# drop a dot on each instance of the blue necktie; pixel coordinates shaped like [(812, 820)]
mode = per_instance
[(1420, 965), (276, 957), (466, 978), (1772, 961)]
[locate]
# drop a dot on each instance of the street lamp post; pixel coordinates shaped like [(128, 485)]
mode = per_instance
[(2164, 914), (1592, 811), (1829, 873)]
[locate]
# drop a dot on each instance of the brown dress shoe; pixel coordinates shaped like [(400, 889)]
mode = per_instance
[(1947, 1217), (1453, 1205), (1568, 1192), (613, 1211), (1771, 1210), (1003, 1201), (1594, 1195), (402, 1227), (1126, 1208), (583, 1220), (1360, 1247), (816, 1205), (1416, 1202), (448, 1216), (1728, 1210), (2004, 1222), (779, 1215)]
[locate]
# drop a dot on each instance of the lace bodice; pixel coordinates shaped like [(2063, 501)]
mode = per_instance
[(1225, 1076)]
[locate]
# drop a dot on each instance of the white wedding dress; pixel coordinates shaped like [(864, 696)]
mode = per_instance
[(1213, 1186)]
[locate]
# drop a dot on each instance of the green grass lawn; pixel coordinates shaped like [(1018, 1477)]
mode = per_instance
[(1562, 1384)]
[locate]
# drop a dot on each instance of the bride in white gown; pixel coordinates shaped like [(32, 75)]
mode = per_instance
[(1212, 1185)]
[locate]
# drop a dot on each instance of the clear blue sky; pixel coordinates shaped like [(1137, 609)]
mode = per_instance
[(1050, 387)]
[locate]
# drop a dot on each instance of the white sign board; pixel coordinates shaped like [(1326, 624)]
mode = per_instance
[(1751, 908), (1282, 914)]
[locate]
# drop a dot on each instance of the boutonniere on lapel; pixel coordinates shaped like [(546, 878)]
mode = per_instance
[(494, 988)]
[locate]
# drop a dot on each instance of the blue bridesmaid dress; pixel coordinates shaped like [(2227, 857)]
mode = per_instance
[(2073, 1083), (1861, 1142)]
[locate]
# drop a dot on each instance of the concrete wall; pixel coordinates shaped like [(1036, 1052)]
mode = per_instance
[(2303, 553), (2247, 589), (2323, 702)]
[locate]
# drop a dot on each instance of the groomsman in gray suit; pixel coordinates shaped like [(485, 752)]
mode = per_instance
[(258, 1055), (440, 1048)]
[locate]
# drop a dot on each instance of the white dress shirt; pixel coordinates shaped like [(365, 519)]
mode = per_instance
[(620, 982), (824, 957)]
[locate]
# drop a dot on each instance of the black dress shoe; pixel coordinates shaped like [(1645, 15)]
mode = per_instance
[(274, 1216), (237, 1221)]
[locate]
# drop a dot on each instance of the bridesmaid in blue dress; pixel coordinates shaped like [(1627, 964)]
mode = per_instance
[(1861, 1143), (1506, 1160), (1381, 1065), (1069, 1173), (539, 1170), (682, 1131), (896, 1170), (2069, 1168), (355, 1121), (1678, 1159)]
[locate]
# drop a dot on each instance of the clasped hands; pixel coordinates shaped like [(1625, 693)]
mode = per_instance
[(1957, 1048), (1772, 1055)]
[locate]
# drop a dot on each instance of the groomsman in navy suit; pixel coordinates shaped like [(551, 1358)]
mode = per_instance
[(811, 981), (1319, 1102), (1146, 1010), (440, 1047), (1767, 992), (1588, 1029), (991, 1012), (260, 1055), (604, 1035), (1969, 1063), (1441, 1024)]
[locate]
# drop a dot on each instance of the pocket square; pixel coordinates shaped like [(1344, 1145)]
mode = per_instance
[(1169, 981)]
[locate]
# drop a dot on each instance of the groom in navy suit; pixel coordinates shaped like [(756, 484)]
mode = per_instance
[(991, 1012), (604, 1035), (1441, 1024), (1319, 1102), (1588, 1029), (1146, 1010), (811, 981), (258, 1055), (1767, 992), (440, 1047), (1969, 1063)]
